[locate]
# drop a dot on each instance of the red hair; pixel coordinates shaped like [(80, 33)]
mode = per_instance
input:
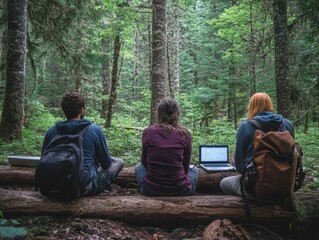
[(259, 102)]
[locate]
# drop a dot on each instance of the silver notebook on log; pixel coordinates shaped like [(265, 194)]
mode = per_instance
[(214, 158)]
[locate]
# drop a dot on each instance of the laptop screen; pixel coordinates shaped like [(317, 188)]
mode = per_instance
[(213, 153)]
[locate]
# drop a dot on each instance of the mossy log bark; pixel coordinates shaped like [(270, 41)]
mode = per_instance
[(304, 206), (139, 209), (207, 182)]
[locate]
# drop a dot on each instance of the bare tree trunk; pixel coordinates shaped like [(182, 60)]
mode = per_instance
[(170, 82), (106, 83), (193, 53), (14, 101), (78, 78), (159, 57), (175, 45), (136, 66), (283, 87), (54, 95), (3, 45), (150, 55), (252, 54), (114, 82)]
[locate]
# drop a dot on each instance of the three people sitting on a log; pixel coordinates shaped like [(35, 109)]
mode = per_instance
[(164, 169)]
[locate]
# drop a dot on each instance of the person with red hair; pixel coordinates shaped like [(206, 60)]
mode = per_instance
[(260, 108)]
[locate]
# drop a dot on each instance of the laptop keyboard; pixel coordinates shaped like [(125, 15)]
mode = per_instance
[(222, 165), (217, 165)]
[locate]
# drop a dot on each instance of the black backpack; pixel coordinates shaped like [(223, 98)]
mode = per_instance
[(60, 172)]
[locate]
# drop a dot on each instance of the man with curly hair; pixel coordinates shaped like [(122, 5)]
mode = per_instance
[(100, 167)]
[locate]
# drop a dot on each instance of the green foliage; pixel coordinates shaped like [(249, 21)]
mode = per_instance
[(124, 138), (309, 144), (125, 143), (38, 121), (220, 131), (232, 26), (311, 8), (136, 113)]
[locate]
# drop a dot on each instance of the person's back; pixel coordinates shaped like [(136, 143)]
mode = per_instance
[(260, 108), (166, 154), (101, 169), (244, 151)]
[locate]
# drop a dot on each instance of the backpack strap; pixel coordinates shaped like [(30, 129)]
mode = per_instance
[(300, 175), (83, 130), (36, 184), (259, 126), (255, 123), (245, 199)]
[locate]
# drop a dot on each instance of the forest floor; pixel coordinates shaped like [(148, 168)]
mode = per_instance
[(74, 228)]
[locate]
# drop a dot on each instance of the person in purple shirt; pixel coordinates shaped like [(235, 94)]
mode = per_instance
[(100, 167), (166, 154)]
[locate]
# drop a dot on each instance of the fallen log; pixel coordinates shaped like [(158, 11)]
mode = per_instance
[(140, 209), (12, 175)]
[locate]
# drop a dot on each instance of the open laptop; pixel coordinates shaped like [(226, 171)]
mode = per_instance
[(214, 158)]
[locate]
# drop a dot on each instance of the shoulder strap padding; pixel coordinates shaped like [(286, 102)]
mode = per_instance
[(259, 126)]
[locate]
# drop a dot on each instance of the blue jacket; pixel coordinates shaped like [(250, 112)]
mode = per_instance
[(95, 148), (244, 152)]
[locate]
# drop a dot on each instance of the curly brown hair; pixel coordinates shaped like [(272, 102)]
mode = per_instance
[(71, 104)]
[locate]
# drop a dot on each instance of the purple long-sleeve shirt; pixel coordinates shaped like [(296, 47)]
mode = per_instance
[(166, 156)]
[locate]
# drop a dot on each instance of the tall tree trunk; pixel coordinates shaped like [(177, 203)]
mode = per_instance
[(114, 82), (53, 93), (193, 54), (149, 36), (175, 45), (283, 87), (3, 45), (106, 83), (159, 57), (13, 107), (78, 78), (170, 82), (252, 53), (136, 66)]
